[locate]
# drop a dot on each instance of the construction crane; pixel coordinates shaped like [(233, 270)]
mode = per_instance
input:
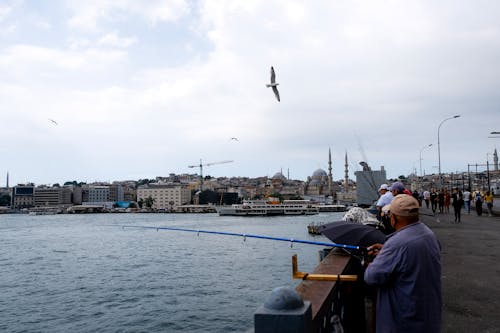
[(201, 165)]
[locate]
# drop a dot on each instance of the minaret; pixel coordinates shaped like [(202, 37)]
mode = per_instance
[(346, 174), (495, 160), (330, 178), (7, 181)]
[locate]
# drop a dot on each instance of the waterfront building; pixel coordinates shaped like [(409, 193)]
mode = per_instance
[(166, 197), (23, 196), (116, 193), (52, 196), (96, 193)]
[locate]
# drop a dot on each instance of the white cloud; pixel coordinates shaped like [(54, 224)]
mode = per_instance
[(4, 12), (90, 15), (114, 40)]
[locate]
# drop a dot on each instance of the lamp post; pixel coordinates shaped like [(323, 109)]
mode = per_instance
[(427, 146), (439, 147)]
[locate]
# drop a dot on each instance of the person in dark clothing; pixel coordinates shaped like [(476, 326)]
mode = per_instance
[(457, 201), (478, 202), (416, 195), (434, 200), (441, 201)]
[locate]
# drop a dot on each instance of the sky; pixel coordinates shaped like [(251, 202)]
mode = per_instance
[(145, 89)]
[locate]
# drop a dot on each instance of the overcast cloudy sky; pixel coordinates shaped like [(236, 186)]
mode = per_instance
[(144, 89)]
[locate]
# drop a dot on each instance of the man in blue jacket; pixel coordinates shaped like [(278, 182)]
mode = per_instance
[(407, 272)]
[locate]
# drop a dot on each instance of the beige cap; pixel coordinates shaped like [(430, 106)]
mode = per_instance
[(404, 205)]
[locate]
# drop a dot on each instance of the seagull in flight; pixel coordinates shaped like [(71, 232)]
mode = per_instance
[(274, 85), (234, 139), (53, 121)]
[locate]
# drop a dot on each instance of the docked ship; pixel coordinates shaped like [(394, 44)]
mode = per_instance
[(269, 207)]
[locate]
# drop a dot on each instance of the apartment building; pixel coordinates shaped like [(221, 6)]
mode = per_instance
[(165, 196), (52, 196), (23, 196)]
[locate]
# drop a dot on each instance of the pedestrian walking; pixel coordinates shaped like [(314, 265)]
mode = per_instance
[(434, 200), (488, 198), (478, 202), (467, 196), (447, 201), (441, 201), (458, 202), (427, 198)]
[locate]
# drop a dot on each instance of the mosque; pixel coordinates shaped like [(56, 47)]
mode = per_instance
[(320, 186)]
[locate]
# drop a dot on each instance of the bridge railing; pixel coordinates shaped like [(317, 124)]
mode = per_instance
[(321, 306)]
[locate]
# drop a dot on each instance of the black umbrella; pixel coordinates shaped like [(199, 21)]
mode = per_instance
[(352, 233)]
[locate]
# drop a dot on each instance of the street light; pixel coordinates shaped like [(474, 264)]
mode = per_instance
[(427, 146), (439, 147)]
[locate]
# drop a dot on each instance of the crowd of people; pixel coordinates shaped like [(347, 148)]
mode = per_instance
[(441, 200)]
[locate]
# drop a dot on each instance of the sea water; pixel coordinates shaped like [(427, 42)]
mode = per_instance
[(85, 273)]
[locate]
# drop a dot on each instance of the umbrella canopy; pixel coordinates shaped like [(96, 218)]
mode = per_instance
[(342, 232)]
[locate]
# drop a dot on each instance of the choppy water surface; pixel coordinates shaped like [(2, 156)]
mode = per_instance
[(84, 273)]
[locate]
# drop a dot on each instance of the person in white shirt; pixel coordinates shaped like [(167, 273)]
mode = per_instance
[(467, 196), (385, 196), (427, 198)]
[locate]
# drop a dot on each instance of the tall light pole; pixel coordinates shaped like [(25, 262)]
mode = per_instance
[(427, 146), (439, 147)]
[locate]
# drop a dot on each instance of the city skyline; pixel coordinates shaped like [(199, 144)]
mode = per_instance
[(97, 91)]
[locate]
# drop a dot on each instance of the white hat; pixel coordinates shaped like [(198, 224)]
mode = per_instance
[(384, 187)]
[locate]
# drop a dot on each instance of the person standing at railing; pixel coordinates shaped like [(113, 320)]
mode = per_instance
[(407, 271)]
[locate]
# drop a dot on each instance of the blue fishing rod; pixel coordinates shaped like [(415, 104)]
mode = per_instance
[(282, 239)]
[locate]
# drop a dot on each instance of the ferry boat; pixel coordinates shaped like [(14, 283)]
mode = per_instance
[(269, 207)]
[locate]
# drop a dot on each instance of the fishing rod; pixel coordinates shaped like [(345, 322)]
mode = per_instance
[(282, 239)]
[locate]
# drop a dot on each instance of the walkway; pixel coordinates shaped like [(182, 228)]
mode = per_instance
[(470, 270)]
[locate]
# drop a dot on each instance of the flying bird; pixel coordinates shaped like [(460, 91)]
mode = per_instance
[(274, 85), (53, 121), (234, 139)]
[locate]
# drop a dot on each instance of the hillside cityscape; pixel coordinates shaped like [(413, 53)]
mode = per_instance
[(197, 193)]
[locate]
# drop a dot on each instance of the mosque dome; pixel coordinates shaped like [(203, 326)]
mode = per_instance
[(278, 176), (319, 173)]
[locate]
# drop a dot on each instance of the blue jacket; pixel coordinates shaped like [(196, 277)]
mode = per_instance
[(407, 272)]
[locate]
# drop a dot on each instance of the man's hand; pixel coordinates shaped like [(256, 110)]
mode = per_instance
[(374, 249)]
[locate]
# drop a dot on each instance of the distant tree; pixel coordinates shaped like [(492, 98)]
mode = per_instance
[(56, 185), (74, 183), (145, 181), (140, 203), (5, 200), (149, 202)]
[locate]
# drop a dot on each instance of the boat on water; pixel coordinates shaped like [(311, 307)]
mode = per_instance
[(269, 207), (332, 208), (44, 211)]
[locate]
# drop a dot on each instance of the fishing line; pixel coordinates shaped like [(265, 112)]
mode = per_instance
[(245, 236)]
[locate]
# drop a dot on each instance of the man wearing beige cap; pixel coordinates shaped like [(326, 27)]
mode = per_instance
[(407, 272)]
